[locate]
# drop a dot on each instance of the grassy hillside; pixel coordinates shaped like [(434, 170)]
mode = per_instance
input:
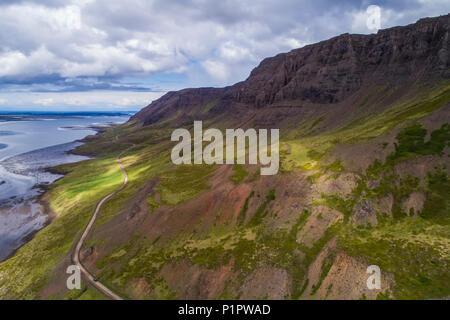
[(367, 190)]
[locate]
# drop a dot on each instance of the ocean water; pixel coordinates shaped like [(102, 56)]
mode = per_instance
[(28, 145)]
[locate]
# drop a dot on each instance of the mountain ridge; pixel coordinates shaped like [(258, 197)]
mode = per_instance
[(326, 72)]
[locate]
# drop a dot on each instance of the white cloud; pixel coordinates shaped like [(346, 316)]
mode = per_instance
[(64, 19), (216, 69), (98, 100), (232, 52), (44, 101), (39, 62)]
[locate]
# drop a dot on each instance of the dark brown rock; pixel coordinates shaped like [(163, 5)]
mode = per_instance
[(327, 72)]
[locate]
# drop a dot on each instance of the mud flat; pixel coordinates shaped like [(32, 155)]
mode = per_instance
[(23, 179)]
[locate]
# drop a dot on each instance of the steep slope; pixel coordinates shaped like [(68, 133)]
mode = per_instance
[(365, 133)]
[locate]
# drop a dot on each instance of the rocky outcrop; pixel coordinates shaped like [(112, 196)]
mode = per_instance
[(331, 70), (365, 213), (414, 203)]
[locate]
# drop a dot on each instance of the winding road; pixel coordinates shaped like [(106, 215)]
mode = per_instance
[(76, 255)]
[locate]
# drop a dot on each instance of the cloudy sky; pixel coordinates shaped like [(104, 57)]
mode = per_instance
[(121, 55)]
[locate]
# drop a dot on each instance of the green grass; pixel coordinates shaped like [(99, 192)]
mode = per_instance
[(243, 212), (239, 173), (338, 203), (261, 212), (411, 142), (437, 205), (209, 106), (88, 293), (306, 151), (316, 122), (184, 182), (73, 198), (325, 268), (414, 250)]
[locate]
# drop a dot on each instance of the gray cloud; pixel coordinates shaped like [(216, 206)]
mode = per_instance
[(88, 45)]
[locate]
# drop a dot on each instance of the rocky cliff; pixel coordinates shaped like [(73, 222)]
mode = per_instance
[(327, 72)]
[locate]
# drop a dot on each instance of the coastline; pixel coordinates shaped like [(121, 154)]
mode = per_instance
[(47, 212), (40, 190)]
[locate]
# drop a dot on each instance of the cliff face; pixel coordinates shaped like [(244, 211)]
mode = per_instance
[(326, 72), (331, 70)]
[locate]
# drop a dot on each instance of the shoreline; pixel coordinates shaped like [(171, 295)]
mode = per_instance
[(43, 188)]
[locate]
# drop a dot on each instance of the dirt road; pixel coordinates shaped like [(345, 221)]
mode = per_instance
[(76, 255)]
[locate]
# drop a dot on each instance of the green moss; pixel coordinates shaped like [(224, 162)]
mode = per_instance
[(207, 107), (310, 149), (437, 206), (90, 294), (411, 142), (315, 155), (261, 212), (316, 122), (184, 182), (364, 101), (383, 295), (338, 203), (239, 173), (243, 212), (336, 167), (374, 169), (152, 203), (413, 249), (161, 290), (326, 266), (299, 293)]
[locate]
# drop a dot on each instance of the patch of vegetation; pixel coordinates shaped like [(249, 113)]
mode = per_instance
[(87, 293), (152, 203), (326, 266), (437, 207), (314, 154), (261, 212), (161, 290), (338, 203), (184, 182), (313, 177), (239, 173), (310, 149), (316, 122), (243, 212), (415, 250), (384, 295), (411, 142), (364, 101), (209, 106), (335, 167)]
